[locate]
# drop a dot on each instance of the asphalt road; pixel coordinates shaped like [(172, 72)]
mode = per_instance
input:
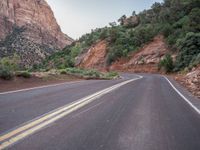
[(132, 113)]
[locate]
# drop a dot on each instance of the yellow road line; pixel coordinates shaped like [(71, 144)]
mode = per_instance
[(33, 123), (36, 125)]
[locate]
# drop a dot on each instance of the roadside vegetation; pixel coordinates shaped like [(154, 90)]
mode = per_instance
[(89, 73), (166, 64), (10, 67)]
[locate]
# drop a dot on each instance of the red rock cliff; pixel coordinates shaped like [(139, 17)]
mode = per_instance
[(29, 29), (37, 17)]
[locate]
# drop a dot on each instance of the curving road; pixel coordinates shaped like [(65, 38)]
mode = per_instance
[(138, 112)]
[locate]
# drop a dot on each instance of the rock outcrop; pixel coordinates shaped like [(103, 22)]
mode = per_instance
[(95, 57), (191, 81), (146, 59), (29, 28), (132, 21)]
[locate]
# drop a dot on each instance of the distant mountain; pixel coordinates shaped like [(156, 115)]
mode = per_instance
[(29, 29)]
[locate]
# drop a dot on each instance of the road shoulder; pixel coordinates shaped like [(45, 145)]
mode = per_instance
[(20, 83), (188, 95)]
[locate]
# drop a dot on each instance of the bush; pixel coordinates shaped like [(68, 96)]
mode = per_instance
[(195, 19), (63, 71), (74, 70), (84, 73), (143, 34), (24, 74), (195, 62), (114, 53), (188, 50), (6, 74), (166, 63), (166, 30), (91, 73), (111, 75), (8, 65)]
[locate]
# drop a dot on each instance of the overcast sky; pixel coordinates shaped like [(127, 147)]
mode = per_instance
[(77, 17)]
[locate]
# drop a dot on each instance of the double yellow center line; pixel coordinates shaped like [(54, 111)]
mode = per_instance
[(21, 132)]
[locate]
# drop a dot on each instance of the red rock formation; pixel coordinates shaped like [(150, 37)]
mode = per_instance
[(191, 80), (38, 19), (144, 60), (95, 56)]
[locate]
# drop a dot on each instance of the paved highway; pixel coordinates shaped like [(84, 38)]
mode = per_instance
[(138, 112)]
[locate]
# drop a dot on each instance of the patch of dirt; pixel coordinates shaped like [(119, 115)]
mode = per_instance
[(21, 83), (95, 57), (144, 60), (191, 81)]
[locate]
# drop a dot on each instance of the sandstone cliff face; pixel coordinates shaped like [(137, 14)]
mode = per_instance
[(95, 57), (29, 26)]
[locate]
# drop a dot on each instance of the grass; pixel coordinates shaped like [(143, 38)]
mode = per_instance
[(76, 72), (89, 73)]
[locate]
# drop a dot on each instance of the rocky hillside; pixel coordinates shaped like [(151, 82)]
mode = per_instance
[(29, 28), (166, 37), (145, 59), (191, 80), (95, 57)]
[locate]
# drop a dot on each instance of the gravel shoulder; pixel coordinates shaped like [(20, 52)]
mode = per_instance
[(20, 83)]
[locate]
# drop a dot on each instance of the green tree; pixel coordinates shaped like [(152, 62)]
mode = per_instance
[(122, 19), (195, 19), (189, 49)]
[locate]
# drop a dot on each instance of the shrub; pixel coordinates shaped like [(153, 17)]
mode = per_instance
[(6, 74), (8, 65), (166, 63), (188, 50), (166, 30), (114, 53), (143, 34), (195, 19), (111, 75), (92, 73), (24, 74), (195, 61), (74, 70), (84, 72), (63, 71)]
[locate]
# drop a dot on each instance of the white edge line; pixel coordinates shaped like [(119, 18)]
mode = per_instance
[(38, 87), (188, 101)]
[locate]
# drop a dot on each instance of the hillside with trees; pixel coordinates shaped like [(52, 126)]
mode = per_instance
[(177, 20)]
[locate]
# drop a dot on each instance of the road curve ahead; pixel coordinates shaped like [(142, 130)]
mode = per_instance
[(145, 112)]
